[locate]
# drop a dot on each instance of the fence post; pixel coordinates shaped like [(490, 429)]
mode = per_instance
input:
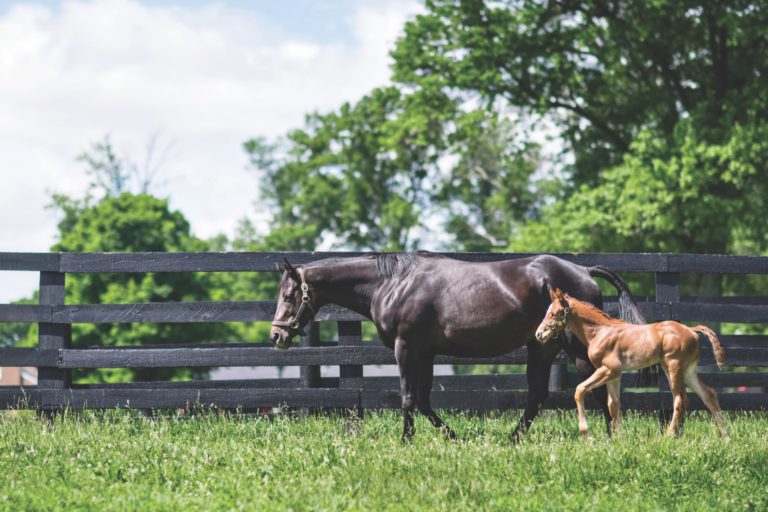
[(667, 291), (310, 375), (558, 376), (52, 335), (351, 375)]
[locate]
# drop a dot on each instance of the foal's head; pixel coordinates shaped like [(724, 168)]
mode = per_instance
[(294, 306), (556, 318)]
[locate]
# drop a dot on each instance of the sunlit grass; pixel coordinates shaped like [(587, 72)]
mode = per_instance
[(116, 461)]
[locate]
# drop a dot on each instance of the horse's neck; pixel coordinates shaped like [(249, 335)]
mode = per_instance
[(349, 283), (585, 322)]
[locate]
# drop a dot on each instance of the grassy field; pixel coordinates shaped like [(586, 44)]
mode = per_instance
[(116, 461)]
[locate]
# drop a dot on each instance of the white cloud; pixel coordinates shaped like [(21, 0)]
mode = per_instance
[(207, 78)]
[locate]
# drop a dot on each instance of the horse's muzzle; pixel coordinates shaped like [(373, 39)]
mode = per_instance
[(280, 339)]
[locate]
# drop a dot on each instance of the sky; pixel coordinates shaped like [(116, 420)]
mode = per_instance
[(199, 76)]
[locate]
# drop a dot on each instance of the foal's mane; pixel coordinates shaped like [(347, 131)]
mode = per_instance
[(592, 309)]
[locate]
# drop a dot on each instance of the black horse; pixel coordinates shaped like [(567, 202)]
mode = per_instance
[(425, 304)]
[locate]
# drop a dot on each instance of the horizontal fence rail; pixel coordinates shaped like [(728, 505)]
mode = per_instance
[(742, 386)]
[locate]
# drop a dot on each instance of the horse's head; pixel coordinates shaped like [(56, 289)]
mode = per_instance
[(556, 318), (294, 306)]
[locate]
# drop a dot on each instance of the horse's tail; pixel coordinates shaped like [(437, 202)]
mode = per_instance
[(630, 312), (716, 347)]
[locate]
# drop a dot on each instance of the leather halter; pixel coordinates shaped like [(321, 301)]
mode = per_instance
[(558, 324), (300, 320)]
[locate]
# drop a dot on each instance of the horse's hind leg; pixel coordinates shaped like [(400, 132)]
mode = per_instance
[(540, 359), (708, 396), (407, 365), (424, 389)]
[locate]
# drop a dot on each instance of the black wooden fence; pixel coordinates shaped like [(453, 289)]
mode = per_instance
[(744, 387)]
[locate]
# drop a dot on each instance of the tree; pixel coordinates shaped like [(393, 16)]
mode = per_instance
[(368, 175), (129, 223), (122, 221), (602, 70)]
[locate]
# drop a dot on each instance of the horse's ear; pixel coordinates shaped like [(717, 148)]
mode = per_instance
[(559, 294), (291, 271)]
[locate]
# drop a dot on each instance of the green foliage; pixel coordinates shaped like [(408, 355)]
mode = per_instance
[(688, 196), (133, 223), (363, 177), (603, 70), (113, 461), (354, 175)]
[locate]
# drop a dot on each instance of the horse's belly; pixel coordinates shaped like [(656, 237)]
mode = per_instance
[(487, 341)]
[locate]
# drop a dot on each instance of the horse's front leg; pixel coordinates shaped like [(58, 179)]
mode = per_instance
[(425, 374), (407, 365), (540, 357)]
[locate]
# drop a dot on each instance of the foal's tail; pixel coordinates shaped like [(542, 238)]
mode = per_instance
[(716, 347), (630, 312)]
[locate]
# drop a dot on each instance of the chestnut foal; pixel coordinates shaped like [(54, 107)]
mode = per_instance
[(615, 346)]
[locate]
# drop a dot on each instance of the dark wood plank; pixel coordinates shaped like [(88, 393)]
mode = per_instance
[(34, 261), (28, 357), (17, 397), (253, 311), (718, 264), (720, 311), (222, 356), (505, 400), (29, 313), (181, 397), (261, 262)]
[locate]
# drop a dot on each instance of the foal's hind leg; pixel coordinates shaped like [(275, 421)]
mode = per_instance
[(708, 396), (614, 403), (677, 386), (423, 390)]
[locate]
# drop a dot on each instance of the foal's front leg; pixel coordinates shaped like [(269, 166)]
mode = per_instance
[(600, 377)]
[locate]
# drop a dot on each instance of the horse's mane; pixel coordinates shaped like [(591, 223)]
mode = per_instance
[(388, 264)]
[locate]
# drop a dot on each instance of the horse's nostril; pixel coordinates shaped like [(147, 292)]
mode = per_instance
[(275, 337)]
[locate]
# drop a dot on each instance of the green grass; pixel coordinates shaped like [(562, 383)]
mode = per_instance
[(115, 461)]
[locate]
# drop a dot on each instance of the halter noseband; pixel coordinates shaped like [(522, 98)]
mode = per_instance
[(559, 324), (296, 325)]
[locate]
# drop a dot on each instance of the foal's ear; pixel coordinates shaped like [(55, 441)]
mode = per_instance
[(559, 295), (552, 294)]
